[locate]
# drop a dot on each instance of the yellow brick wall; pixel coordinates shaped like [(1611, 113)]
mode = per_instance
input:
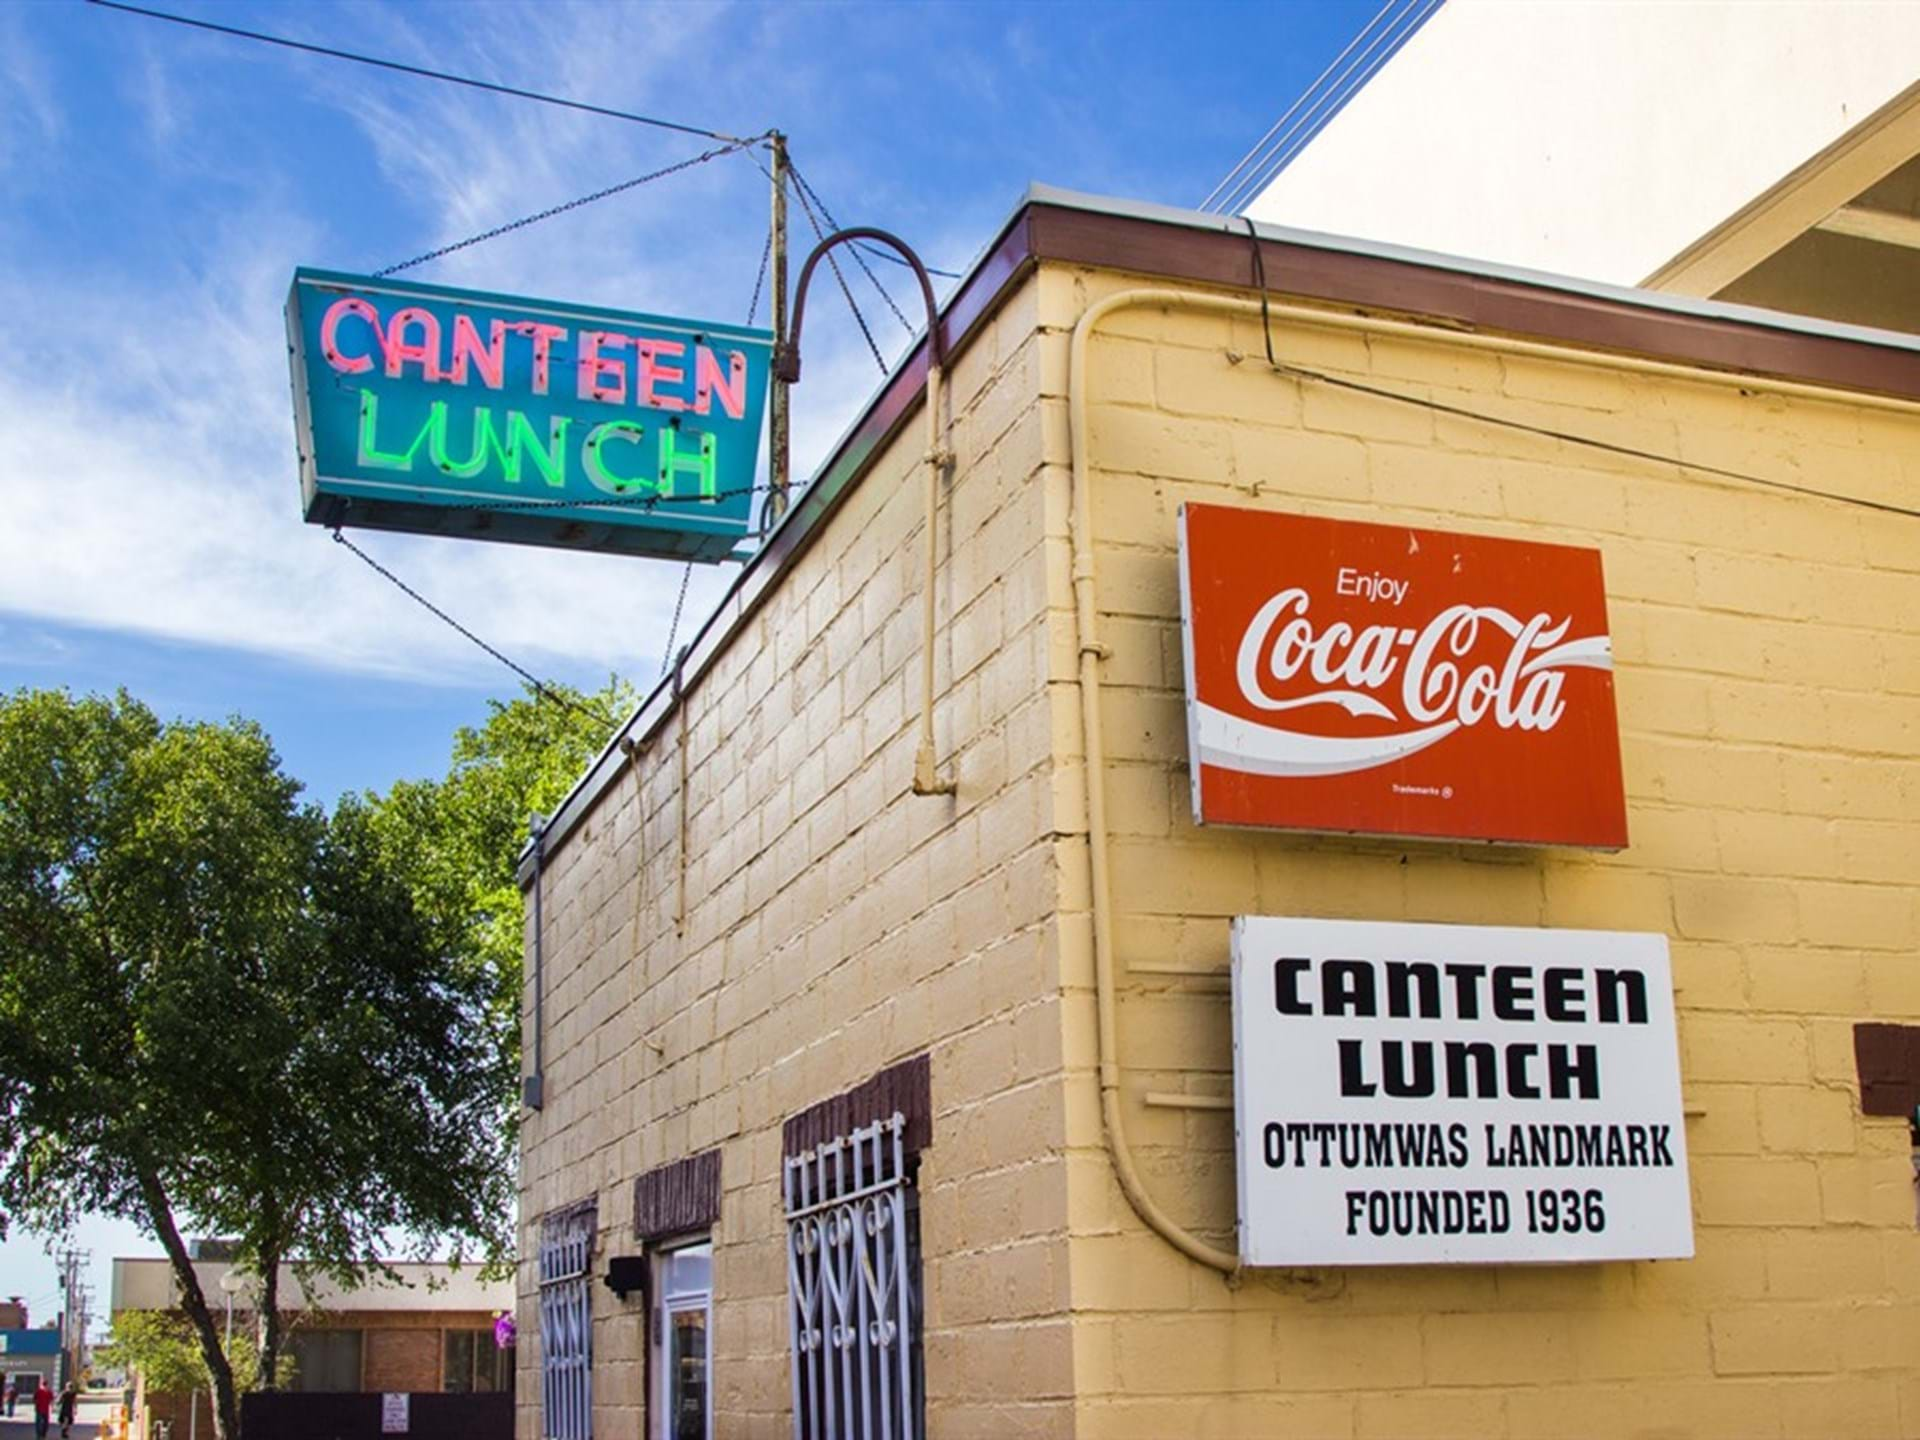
[(1768, 677), (835, 923)]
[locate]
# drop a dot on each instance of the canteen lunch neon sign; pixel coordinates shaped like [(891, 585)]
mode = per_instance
[(445, 411)]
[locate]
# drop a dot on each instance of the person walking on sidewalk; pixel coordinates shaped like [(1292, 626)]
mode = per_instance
[(69, 1398), (42, 1409), (13, 1394)]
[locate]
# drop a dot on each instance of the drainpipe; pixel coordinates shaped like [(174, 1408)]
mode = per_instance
[(533, 1087), (939, 455)]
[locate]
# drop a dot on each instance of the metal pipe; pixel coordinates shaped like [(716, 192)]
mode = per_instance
[(779, 458), (680, 703), (533, 1088), (786, 367)]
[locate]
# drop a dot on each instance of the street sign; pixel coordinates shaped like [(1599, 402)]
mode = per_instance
[(1384, 680), (395, 1413), (1455, 1094), (495, 417)]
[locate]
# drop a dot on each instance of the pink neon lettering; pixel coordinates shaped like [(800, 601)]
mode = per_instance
[(649, 372), (593, 367), (330, 330), (490, 360), (543, 337), (709, 382), (426, 353)]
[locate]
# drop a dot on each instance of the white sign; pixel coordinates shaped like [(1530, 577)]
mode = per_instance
[(393, 1414), (1420, 1094)]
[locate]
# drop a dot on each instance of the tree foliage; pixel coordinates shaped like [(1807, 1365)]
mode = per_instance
[(222, 1007), (464, 833), (161, 1345)]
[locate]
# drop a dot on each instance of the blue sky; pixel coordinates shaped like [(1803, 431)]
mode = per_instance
[(158, 185)]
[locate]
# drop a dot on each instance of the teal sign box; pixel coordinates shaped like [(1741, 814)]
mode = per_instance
[(494, 417)]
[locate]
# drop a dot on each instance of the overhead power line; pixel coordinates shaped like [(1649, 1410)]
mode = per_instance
[(1391, 27), (422, 71)]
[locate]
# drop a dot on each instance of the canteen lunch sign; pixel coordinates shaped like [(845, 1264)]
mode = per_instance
[(1455, 1094), (494, 417), (1380, 679)]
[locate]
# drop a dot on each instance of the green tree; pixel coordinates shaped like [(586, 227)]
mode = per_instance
[(462, 835), (224, 1007), (163, 1348)]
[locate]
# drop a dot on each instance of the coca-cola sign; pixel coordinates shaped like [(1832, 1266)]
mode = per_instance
[(1392, 681)]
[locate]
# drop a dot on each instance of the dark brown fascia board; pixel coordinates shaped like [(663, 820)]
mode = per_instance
[(1159, 242), (1472, 295)]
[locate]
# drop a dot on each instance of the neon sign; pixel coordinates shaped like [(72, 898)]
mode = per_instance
[(493, 417)]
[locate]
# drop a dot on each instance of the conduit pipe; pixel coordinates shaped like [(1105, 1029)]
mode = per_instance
[(786, 369), (1092, 651)]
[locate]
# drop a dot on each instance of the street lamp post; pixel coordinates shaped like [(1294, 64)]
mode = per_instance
[(232, 1282)]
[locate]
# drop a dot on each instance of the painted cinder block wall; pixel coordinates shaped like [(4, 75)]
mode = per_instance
[(835, 923), (1768, 673), (1768, 677)]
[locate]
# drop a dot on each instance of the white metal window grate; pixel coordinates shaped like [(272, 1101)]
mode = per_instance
[(566, 1326), (853, 1284)]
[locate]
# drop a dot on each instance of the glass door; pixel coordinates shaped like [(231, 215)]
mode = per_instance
[(683, 1309)]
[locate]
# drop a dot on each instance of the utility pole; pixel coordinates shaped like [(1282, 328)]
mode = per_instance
[(72, 1313), (778, 466)]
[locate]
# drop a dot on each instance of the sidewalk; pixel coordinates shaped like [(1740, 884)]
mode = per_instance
[(86, 1427)]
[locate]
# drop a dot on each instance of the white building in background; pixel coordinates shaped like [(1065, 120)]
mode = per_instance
[(1753, 150)]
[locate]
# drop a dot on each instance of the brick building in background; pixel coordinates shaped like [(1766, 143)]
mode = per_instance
[(835, 1070), (429, 1334)]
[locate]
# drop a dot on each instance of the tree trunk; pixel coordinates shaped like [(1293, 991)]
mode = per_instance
[(271, 1336), (193, 1300)]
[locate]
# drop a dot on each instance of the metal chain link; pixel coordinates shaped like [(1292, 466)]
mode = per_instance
[(766, 253), (673, 630), (845, 290), (859, 259)]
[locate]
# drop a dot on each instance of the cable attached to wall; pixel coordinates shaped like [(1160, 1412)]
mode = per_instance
[(1526, 427)]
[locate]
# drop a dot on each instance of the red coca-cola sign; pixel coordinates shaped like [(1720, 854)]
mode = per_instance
[(1391, 681)]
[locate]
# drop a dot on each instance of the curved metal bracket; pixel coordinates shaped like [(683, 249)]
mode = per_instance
[(786, 348)]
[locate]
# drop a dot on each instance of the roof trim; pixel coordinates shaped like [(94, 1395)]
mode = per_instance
[(1161, 241)]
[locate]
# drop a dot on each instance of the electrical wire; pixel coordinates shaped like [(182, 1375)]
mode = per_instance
[(1322, 100), (395, 65), (551, 211), (807, 190), (534, 682), (1591, 442), (1332, 102), (1302, 372)]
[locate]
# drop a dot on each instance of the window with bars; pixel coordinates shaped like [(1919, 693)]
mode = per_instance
[(854, 1287), (566, 1324)]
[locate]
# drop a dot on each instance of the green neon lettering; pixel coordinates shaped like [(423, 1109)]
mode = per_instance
[(597, 473), (673, 460), (484, 442), (523, 441), (373, 458)]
